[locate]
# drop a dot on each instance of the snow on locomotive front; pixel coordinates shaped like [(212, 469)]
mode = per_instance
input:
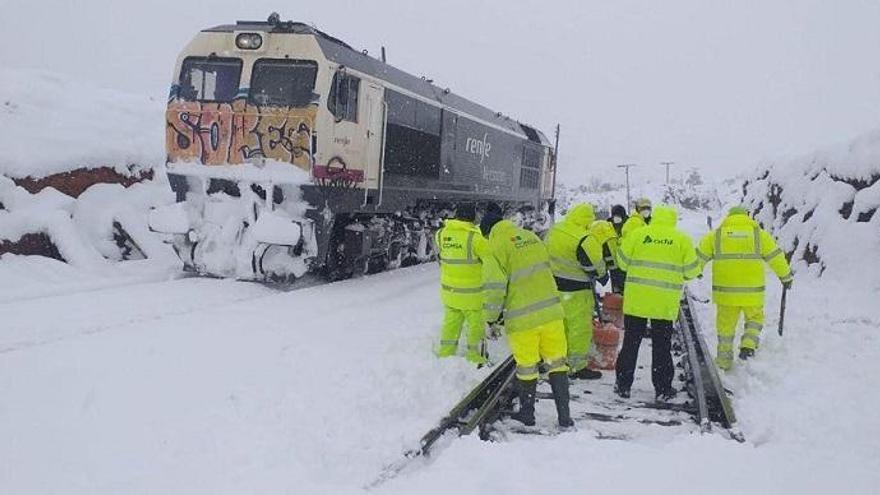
[(290, 151)]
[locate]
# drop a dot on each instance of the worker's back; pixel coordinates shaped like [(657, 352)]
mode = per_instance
[(461, 247), (521, 263), (658, 258), (738, 249)]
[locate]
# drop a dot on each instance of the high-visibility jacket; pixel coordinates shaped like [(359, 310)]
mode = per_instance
[(575, 255), (462, 248), (606, 235), (738, 249), (657, 259), (635, 221), (518, 281)]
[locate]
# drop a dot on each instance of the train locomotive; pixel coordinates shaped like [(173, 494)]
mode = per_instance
[(290, 152)]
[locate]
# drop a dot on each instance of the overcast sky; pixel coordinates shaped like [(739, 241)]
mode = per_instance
[(715, 84)]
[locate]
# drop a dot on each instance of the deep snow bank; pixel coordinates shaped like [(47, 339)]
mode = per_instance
[(84, 232), (53, 125), (823, 206), (72, 158)]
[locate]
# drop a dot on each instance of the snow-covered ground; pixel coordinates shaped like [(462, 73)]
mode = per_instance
[(122, 377), (210, 386)]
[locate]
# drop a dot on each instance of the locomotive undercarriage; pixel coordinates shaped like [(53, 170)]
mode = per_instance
[(232, 230)]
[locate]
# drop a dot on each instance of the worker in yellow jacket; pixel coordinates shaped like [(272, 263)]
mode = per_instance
[(606, 235), (657, 258), (738, 249), (462, 250), (639, 218), (520, 290), (576, 261)]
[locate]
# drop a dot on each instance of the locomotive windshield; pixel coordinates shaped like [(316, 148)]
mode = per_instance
[(209, 79), (282, 82)]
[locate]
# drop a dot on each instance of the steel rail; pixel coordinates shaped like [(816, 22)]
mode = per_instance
[(722, 409), (473, 409), (477, 408), (695, 369), (486, 403)]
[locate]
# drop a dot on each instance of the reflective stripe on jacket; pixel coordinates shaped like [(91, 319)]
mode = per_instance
[(657, 259), (738, 249), (575, 256), (461, 247), (518, 281)]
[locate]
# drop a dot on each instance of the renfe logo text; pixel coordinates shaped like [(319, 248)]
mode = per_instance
[(478, 147)]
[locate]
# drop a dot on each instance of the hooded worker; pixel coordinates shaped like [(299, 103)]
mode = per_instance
[(617, 218), (738, 250), (639, 218), (576, 260), (493, 214), (462, 249), (519, 289), (658, 258)]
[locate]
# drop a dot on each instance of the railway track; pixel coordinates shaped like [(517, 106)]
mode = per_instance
[(702, 406)]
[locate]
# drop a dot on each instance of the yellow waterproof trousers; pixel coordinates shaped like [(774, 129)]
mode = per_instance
[(453, 319), (578, 307), (542, 343), (726, 321)]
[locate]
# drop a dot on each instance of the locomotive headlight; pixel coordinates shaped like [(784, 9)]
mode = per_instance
[(249, 41)]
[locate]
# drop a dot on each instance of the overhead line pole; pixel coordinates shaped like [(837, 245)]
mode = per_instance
[(626, 167), (555, 162), (667, 170)]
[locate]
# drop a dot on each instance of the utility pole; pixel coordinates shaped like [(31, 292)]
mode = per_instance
[(667, 170), (555, 164), (626, 167)]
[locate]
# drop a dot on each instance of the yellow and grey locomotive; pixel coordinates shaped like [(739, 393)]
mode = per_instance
[(290, 152)]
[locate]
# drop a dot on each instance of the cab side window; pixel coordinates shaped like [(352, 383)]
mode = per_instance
[(343, 99)]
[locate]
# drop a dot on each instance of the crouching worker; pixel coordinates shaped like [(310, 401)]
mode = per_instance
[(462, 248), (576, 261), (519, 288)]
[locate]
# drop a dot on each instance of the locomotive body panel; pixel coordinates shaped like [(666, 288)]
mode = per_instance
[(378, 152)]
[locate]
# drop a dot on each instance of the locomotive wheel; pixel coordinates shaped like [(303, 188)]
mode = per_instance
[(411, 259), (376, 264), (395, 256)]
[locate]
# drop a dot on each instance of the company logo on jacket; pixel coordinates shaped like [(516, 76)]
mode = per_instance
[(519, 242), (650, 240), (450, 243)]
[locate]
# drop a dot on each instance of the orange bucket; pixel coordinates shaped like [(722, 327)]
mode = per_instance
[(606, 336), (612, 302), (612, 308)]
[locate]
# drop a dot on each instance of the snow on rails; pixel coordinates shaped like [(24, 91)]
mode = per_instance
[(703, 408)]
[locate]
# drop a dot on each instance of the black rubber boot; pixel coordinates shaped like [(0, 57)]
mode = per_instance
[(665, 395), (586, 374), (526, 390), (559, 384)]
